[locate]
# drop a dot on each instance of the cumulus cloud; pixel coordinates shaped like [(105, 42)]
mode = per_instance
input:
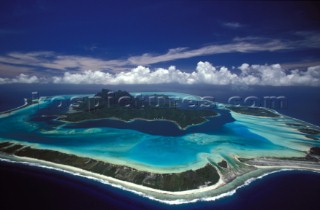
[(205, 73), (51, 67), (51, 61), (276, 75), (54, 63), (22, 78), (138, 75)]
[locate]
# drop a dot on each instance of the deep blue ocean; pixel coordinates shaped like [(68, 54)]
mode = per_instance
[(38, 188)]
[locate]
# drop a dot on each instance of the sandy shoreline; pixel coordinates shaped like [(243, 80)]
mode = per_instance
[(220, 189), (110, 179), (216, 191), (14, 110)]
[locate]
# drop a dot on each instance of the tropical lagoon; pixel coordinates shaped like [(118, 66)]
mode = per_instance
[(157, 158)]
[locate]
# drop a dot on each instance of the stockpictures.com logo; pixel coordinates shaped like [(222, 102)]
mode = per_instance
[(141, 101), (273, 102)]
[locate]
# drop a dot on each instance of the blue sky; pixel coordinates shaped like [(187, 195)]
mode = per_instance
[(113, 42)]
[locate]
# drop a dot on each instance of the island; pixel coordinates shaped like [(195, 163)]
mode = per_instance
[(186, 180), (236, 146), (123, 106)]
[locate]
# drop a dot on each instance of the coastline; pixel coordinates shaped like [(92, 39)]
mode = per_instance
[(142, 119), (109, 180), (13, 110), (219, 190), (172, 182)]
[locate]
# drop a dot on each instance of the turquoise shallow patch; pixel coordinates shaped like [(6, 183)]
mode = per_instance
[(242, 137)]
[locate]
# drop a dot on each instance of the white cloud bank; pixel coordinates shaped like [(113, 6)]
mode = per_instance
[(205, 73), (53, 62), (22, 78)]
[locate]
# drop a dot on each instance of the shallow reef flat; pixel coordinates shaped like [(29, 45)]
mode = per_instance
[(205, 161), (187, 180), (210, 182), (256, 111)]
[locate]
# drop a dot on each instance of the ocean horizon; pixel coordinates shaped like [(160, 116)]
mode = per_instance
[(161, 105)]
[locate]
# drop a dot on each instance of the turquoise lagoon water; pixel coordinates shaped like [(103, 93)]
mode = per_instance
[(158, 145)]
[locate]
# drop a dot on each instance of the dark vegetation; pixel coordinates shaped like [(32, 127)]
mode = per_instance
[(121, 105), (187, 180)]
